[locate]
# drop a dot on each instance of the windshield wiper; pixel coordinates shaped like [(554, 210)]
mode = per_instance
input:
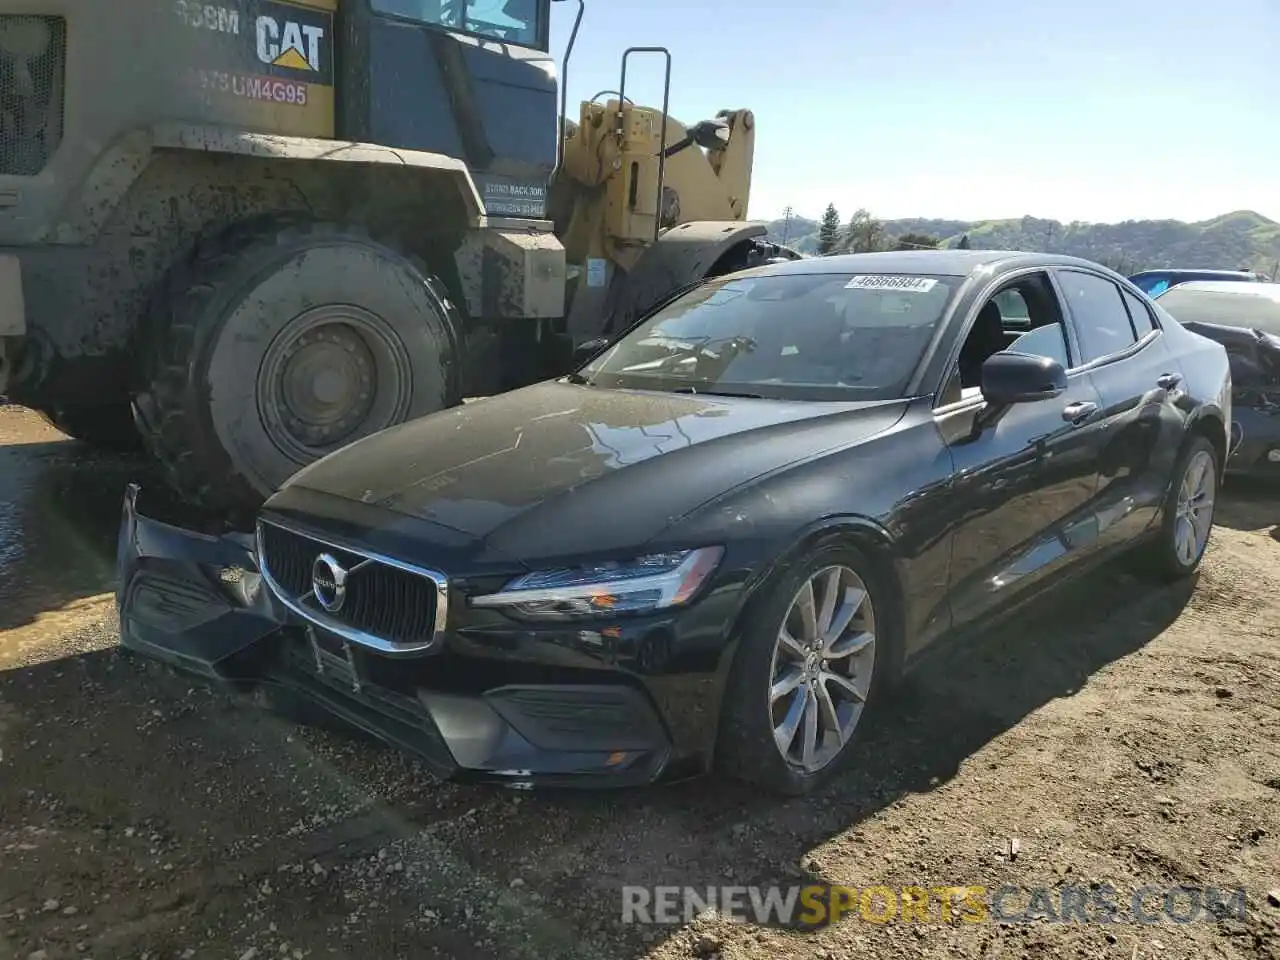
[(718, 393), (577, 380)]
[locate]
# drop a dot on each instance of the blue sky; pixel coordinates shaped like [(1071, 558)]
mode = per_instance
[(1093, 110)]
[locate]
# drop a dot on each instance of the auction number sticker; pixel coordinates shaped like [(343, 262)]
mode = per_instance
[(878, 281)]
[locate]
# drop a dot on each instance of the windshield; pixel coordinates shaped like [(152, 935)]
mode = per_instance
[(817, 336), (1225, 309), (512, 21)]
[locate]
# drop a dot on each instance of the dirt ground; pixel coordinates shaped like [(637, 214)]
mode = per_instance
[(1119, 735)]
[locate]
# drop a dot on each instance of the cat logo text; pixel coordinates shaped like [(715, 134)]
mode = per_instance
[(290, 45)]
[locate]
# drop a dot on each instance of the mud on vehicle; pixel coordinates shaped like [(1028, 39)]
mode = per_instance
[(248, 233)]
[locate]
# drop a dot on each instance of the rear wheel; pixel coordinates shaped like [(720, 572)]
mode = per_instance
[(281, 341), (809, 668), (1180, 544)]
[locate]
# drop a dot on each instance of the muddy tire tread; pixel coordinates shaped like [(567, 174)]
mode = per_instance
[(171, 338)]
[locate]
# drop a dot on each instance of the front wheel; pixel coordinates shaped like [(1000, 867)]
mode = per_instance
[(808, 670), (281, 341), (1187, 519)]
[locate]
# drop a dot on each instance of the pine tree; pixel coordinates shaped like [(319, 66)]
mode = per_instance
[(964, 243), (829, 232)]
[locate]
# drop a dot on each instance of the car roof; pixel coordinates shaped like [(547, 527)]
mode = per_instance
[(1270, 291), (958, 263)]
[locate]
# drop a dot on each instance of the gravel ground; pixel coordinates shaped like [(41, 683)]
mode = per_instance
[(1114, 735)]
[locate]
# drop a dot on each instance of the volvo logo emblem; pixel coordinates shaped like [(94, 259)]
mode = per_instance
[(328, 582)]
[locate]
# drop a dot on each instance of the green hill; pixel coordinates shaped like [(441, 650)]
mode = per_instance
[(1242, 239)]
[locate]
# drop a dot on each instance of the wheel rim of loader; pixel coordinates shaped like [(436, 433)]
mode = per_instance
[(335, 373)]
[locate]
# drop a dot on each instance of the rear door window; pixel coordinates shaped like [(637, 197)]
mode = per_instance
[(1098, 313)]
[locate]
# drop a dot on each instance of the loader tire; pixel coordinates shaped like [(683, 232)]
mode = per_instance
[(281, 340), (108, 427)]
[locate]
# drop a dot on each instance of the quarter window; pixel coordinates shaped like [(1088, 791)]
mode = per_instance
[(1142, 324), (1100, 318)]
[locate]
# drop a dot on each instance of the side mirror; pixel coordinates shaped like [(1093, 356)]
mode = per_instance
[(1009, 378), (588, 350)]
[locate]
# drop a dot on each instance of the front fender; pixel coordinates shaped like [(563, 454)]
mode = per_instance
[(86, 211), (682, 256), (863, 531), (754, 593)]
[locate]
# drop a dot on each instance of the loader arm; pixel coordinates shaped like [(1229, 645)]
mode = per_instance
[(607, 199)]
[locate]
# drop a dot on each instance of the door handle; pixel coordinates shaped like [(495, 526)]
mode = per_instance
[(1168, 381), (1079, 412)]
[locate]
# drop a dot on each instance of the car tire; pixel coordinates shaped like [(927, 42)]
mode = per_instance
[(249, 336), (1168, 556), (747, 745)]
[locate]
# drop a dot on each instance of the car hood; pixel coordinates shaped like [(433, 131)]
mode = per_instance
[(1254, 355), (558, 468)]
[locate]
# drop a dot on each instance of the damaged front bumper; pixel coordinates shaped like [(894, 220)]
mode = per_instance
[(199, 604)]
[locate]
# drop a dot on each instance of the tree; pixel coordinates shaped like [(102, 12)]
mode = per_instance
[(865, 234), (829, 231), (916, 241), (964, 243)]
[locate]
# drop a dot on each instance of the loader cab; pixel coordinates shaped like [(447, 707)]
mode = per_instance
[(472, 79)]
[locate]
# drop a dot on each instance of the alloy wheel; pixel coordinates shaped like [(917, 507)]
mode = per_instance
[(1193, 517), (822, 667)]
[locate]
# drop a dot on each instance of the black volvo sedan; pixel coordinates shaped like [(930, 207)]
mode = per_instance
[(721, 540)]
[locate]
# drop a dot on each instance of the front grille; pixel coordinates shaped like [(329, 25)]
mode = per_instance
[(383, 602), (33, 60)]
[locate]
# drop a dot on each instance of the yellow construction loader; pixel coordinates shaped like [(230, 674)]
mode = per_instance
[(249, 232)]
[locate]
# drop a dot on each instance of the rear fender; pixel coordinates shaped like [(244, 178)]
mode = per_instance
[(175, 595)]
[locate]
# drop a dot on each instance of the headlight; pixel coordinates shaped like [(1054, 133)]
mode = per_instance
[(642, 585)]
